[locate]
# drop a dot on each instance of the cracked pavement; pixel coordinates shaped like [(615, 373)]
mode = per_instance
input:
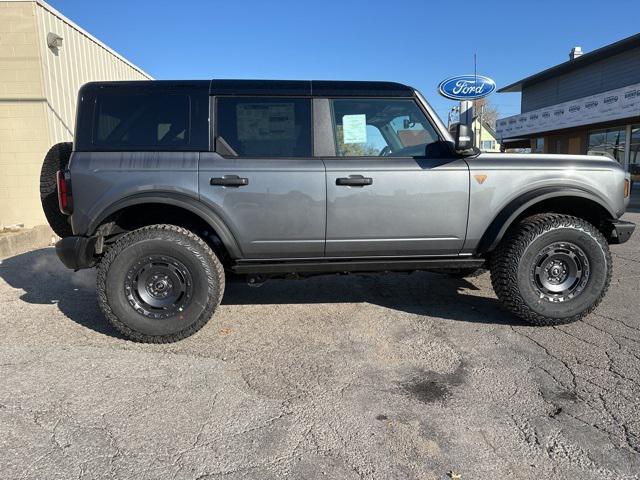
[(340, 377)]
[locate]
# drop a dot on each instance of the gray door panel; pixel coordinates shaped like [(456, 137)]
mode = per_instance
[(280, 213), (412, 207)]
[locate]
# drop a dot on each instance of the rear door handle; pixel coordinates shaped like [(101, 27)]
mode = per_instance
[(229, 181), (354, 181)]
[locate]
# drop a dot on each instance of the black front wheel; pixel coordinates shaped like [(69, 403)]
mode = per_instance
[(551, 269), (159, 284)]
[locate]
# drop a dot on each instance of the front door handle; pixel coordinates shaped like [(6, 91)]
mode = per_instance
[(354, 181), (229, 181)]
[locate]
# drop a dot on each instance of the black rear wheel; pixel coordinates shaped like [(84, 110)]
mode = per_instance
[(159, 284), (552, 269), (57, 158)]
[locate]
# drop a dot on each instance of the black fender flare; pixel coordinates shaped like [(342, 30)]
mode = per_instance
[(501, 223), (178, 200)]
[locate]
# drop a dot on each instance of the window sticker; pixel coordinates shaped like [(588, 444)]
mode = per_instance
[(266, 121), (354, 128)]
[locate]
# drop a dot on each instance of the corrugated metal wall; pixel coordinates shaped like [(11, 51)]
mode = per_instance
[(80, 60), (38, 93), (611, 73)]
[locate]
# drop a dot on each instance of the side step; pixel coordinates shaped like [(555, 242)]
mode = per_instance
[(368, 265)]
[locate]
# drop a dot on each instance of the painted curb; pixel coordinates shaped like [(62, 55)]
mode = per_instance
[(15, 243)]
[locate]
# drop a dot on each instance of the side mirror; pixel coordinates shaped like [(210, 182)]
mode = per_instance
[(464, 138)]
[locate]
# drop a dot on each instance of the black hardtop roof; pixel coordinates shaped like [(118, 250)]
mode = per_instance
[(318, 88)]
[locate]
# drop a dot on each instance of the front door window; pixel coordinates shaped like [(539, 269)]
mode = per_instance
[(380, 128)]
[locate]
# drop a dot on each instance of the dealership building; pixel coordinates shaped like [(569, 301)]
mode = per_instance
[(44, 59), (589, 104)]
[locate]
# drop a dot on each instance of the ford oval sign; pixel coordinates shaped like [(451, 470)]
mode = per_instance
[(466, 87)]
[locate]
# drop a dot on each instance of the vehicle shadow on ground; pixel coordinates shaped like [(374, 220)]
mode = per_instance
[(46, 281), (419, 293)]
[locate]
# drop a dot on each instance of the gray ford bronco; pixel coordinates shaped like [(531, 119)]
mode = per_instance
[(171, 185)]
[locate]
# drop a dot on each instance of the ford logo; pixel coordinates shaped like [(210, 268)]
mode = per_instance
[(466, 87)]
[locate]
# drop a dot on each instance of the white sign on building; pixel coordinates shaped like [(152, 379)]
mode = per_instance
[(612, 105)]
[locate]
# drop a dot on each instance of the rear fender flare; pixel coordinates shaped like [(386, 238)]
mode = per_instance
[(177, 200)]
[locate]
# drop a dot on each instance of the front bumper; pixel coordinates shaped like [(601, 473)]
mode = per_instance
[(77, 252), (621, 231)]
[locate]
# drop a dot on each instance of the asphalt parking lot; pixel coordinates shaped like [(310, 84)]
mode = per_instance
[(390, 377)]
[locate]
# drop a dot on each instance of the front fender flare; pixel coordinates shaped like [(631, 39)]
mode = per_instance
[(501, 223), (178, 200)]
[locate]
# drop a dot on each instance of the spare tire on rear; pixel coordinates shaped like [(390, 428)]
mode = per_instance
[(56, 159)]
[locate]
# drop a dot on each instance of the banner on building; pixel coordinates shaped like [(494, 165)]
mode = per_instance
[(612, 105)]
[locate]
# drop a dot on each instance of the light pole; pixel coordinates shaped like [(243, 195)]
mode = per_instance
[(466, 114)]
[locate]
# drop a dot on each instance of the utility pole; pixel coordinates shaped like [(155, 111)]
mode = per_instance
[(466, 106), (481, 124), (466, 113)]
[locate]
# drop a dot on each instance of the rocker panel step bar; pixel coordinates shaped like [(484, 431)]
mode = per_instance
[(338, 266)]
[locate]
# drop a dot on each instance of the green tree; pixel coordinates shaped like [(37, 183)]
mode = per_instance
[(354, 149)]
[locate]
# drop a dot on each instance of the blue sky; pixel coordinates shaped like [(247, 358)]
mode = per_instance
[(419, 42)]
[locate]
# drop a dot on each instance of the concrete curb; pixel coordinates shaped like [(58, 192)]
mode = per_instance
[(14, 243)]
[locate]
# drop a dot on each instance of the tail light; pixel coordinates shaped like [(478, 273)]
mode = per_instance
[(65, 201)]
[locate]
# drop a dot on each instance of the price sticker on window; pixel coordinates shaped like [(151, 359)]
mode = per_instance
[(354, 128)]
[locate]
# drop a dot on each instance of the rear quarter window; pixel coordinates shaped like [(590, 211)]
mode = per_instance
[(144, 121)]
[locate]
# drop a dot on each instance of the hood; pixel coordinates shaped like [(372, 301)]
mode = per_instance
[(537, 161)]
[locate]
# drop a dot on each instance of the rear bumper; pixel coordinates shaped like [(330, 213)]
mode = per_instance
[(621, 231), (77, 252)]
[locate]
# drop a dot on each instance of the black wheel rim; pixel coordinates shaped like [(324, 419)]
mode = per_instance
[(159, 286), (560, 272)]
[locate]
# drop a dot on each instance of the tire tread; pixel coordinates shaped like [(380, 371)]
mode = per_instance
[(505, 259), (57, 158), (217, 276)]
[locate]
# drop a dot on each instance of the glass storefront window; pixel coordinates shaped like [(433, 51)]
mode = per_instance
[(634, 155), (538, 145), (610, 142)]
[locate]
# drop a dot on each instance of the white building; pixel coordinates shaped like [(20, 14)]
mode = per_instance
[(44, 59)]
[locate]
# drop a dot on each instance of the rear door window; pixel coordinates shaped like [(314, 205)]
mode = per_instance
[(265, 126)]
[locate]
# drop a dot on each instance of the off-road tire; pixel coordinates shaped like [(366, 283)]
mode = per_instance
[(114, 276), (56, 159), (512, 262)]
